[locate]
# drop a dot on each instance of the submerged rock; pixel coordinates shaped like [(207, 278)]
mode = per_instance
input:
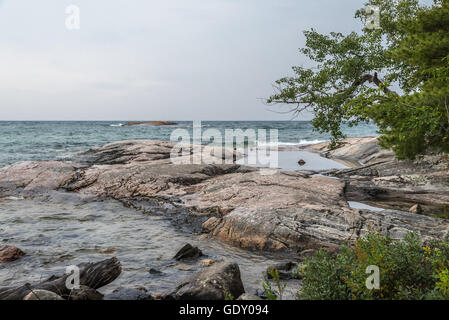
[(155, 271), (10, 253), (214, 283)]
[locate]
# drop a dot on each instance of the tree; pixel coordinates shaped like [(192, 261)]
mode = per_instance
[(396, 75)]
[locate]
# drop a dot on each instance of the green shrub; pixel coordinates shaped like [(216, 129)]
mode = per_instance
[(277, 292), (408, 270)]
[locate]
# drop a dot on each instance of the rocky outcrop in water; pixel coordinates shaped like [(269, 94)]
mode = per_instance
[(152, 123), (188, 252), (286, 211)]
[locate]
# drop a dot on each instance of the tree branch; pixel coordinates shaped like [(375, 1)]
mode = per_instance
[(371, 79)]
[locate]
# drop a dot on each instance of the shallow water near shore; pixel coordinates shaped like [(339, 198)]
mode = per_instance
[(56, 235)]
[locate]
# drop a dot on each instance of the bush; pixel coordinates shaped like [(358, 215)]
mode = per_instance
[(408, 270)]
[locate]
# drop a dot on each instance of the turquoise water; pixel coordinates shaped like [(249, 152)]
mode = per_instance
[(48, 140)]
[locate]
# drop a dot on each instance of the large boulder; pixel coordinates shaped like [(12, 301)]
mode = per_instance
[(10, 253), (214, 283)]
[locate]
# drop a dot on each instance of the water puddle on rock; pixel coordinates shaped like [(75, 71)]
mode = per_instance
[(362, 206), (55, 235), (289, 161)]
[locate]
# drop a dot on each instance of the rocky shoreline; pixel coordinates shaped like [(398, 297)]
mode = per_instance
[(294, 213), (378, 178)]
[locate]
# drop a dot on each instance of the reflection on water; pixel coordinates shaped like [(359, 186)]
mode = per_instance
[(55, 235)]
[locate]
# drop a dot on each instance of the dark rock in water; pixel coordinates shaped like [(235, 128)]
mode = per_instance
[(188, 252), (285, 270), (301, 162), (10, 253), (416, 209), (155, 271), (214, 283), (249, 297), (128, 294), (85, 293)]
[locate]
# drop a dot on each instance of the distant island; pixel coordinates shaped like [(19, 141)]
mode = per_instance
[(151, 123)]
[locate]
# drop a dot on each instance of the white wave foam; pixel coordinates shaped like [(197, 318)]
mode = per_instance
[(300, 143), (117, 125), (307, 142), (14, 198)]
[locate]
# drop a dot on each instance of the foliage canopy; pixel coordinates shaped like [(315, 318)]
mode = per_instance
[(396, 76)]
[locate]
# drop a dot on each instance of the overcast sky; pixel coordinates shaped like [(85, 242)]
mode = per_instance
[(154, 60)]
